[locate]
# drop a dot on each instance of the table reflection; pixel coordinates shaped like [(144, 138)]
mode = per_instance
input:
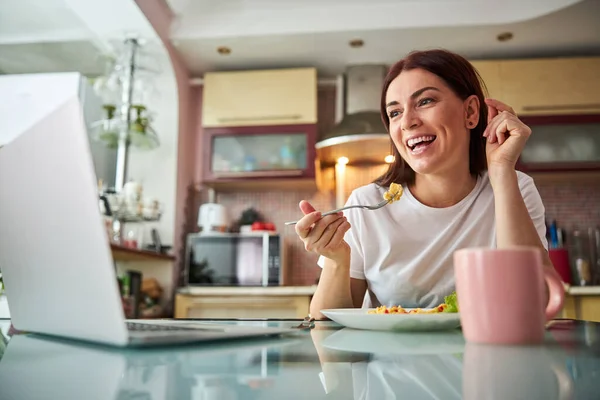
[(389, 364), (442, 365), (41, 368), (326, 362)]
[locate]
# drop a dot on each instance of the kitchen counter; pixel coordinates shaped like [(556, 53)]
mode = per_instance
[(243, 302), (583, 290), (582, 302), (249, 291)]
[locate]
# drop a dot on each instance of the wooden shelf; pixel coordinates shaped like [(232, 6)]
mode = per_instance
[(565, 177), (121, 253), (259, 185)]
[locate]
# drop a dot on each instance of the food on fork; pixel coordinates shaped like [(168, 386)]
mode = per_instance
[(394, 193), (450, 305)]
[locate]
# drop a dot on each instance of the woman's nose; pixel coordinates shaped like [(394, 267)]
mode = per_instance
[(409, 121)]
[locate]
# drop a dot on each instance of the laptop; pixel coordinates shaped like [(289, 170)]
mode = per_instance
[(55, 256)]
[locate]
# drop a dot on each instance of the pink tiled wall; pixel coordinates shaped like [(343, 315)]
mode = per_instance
[(281, 206), (278, 207), (574, 203)]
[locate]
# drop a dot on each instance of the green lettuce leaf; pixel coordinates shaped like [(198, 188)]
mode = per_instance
[(452, 303)]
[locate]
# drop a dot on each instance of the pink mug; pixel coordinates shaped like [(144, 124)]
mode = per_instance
[(501, 294)]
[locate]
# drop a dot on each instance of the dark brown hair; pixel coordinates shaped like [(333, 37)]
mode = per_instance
[(464, 81)]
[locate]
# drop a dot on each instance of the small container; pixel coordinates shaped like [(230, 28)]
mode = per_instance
[(580, 257), (133, 237), (560, 260)]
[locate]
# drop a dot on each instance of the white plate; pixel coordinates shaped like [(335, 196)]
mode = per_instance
[(390, 343), (359, 318)]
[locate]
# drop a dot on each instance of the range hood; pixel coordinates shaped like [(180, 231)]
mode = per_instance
[(360, 135)]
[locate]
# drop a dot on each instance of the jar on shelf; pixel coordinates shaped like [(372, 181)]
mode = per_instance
[(133, 235)]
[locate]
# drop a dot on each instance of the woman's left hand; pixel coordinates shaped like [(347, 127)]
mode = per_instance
[(506, 135)]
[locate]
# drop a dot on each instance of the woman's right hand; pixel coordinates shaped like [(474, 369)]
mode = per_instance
[(324, 235)]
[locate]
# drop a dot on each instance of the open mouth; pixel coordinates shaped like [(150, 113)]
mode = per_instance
[(420, 143)]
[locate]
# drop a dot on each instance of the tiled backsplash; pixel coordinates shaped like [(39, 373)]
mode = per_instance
[(572, 204), (278, 207)]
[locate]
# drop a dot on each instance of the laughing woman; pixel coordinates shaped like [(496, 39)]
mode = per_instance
[(455, 155)]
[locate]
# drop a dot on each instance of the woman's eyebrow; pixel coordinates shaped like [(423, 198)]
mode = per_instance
[(414, 95)]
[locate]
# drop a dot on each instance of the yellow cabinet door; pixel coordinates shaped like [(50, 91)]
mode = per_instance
[(552, 86), (262, 97), (187, 306), (490, 74)]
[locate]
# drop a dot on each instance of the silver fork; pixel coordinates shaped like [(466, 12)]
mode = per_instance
[(375, 207)]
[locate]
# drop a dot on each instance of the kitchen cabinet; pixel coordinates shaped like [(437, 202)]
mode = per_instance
[(239, 302), (551, 86), (260, 98), (489, 71), (561, 143), (582, 303), (266, 156)]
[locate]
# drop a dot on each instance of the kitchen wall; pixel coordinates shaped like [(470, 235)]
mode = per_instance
[(572, 202), (168, 172), (281, 206)]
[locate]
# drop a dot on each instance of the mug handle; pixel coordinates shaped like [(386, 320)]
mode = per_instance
[(556, 295)]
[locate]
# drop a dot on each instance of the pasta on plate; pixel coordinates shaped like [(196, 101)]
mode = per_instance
[(450, 305)]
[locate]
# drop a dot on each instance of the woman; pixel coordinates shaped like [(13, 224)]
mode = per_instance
[(455, 154)]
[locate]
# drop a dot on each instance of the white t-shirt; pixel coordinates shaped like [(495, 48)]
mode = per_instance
[(404, 250)]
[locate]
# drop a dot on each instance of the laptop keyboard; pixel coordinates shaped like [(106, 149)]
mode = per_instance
[(141, 327)]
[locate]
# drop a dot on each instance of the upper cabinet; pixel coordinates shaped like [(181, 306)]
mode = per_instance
[(546, 86), (490, 73), (552, 86), (260, 98)]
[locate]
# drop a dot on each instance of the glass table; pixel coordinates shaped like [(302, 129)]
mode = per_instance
[(327, 361)]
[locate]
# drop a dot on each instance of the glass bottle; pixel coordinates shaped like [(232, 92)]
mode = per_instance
[(580, 257)]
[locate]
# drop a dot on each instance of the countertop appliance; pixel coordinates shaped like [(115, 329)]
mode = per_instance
[(212, 217), (234, 259)]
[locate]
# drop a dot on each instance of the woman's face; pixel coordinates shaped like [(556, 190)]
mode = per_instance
[(429, 123)]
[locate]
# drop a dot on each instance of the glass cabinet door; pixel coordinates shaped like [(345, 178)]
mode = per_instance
[(244, 153), (568, 145), (563, 143)]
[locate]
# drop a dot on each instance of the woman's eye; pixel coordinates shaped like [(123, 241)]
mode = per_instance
[(394, 113), (425, 101)]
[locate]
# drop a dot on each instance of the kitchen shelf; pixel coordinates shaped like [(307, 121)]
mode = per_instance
[(259, 185), (122, 253)]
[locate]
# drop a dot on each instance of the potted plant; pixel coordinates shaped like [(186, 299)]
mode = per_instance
[(248, 217)]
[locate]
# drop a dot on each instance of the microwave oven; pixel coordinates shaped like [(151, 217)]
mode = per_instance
[(234, 259)]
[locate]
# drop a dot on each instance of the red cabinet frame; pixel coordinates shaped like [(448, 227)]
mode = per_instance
[(310, 130), (557, 166)]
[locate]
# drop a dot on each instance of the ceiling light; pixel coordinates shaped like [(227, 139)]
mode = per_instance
[(343, 160), (223, 50), (389, 159), (356, 43), (504, 36)]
